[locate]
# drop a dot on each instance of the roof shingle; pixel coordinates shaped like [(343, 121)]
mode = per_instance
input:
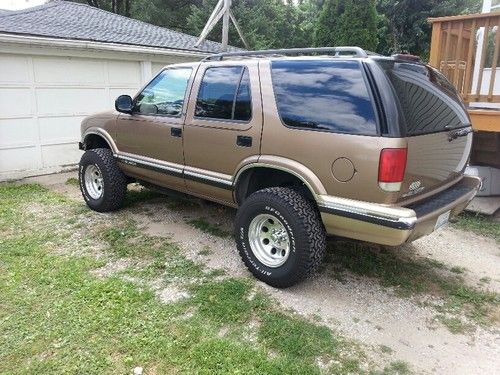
[(68, 20)]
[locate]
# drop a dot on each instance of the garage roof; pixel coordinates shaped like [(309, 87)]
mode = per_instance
[(68, 20)]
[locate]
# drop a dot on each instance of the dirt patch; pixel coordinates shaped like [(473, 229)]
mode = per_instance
[(357, 306)]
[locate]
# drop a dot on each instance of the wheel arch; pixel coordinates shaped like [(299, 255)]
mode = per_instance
[(98, 138), (257, 176)]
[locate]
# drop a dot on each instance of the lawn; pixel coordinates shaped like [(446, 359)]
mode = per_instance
[(61, 313)]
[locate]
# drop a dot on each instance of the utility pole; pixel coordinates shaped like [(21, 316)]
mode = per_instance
[(221, 10)]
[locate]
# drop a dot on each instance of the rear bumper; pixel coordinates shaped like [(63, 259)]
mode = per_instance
[(392, 225)]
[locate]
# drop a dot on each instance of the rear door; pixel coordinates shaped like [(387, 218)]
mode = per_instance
[(223, 126), (435, 123)]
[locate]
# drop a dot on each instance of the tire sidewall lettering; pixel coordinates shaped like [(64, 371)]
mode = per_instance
[(246, 249)]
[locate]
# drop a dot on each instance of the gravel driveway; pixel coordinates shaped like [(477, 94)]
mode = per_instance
[(391, 326)]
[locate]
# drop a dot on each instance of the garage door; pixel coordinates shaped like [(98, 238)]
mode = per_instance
[(42, 102)]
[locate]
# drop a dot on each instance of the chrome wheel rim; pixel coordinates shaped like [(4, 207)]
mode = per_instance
[(93, 181), (269, 240)]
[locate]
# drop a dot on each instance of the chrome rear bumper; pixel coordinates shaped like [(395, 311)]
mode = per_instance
[(393, 225)]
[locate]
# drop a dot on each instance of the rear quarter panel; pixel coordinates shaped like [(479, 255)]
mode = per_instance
[(318, 150)]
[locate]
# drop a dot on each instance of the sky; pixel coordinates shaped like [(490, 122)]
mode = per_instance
[(19, 4)]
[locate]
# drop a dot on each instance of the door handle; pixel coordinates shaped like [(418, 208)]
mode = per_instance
[(176, 132), (244, 141)]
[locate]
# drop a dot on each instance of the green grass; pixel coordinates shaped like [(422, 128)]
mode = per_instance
[(479, 224), (141, 195), (57, 317), (207, 227), (394, 368), (73, 181), (454, 325), (411, 277), (386, 349)]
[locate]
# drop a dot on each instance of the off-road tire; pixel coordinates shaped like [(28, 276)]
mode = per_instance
[(114, 181), (304, 227)]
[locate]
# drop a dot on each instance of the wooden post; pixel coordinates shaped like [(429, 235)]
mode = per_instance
[(458, 54), (435, 44), (468, 67), (495, 62)]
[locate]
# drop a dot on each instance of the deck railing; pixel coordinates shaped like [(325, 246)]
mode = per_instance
[(466, 49)]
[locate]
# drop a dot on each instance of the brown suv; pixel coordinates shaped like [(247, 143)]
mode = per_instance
[(304, 142)]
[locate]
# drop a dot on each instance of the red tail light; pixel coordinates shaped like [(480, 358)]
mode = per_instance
[(391, 168)]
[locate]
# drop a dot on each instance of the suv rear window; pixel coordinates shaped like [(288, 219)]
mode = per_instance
[(328, 95), (428, 101)]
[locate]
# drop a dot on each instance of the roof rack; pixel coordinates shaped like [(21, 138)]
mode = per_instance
[(336, 51)]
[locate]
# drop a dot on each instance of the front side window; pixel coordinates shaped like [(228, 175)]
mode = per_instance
[(225, 94), (164, 95), (328, 95)]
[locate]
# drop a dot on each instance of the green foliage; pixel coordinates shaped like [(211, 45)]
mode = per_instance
[(403, 25), (348, 23), (264, 23), (384, 26)]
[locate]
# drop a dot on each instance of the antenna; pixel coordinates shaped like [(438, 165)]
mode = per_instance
[(221, 10)]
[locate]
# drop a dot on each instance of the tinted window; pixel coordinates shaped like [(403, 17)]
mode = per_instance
[(428, 101), (164, 95), (224, 94), (323, 94)]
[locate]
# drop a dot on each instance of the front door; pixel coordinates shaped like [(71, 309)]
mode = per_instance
[(223, 127), (149, 140)]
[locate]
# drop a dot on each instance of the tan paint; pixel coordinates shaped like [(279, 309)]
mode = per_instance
[(317, 150), (343, 169), (340, 170), (210, 144)]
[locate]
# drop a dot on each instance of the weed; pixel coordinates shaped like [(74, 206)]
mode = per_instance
[(457, 269), (386, 349), (479, 224), (73, 181), (207, 227)]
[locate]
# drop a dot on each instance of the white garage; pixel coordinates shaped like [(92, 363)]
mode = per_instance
[(51, 76)]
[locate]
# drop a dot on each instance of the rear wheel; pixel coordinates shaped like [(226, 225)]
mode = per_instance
[(102, 183), (280, 236)]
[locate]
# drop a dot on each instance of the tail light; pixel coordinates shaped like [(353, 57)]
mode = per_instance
[(391, 168)]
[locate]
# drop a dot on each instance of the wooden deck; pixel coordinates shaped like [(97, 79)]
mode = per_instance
[(466, 49)]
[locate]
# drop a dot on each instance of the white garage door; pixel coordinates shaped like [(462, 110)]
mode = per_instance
[(42, 102)]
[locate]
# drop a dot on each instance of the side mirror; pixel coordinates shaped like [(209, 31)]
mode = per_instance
[(124, 104)]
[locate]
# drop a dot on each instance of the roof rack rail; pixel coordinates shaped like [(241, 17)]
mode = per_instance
[(337, 51)]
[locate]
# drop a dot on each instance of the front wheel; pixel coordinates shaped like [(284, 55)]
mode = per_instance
[(102, 183), (280, 236)]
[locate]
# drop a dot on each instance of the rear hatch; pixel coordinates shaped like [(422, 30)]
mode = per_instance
[(435, 123)]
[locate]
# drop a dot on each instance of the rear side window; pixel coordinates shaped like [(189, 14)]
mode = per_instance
[(225, 94), (427, 99), (328, 95)]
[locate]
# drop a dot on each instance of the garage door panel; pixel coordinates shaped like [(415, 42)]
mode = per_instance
[(60, 129), (18, 132), (18, 159), (115, 93), (156, 67), (124, 73), (67, 70), (15, 102), (60, 155), (70, 101), (14, 69)]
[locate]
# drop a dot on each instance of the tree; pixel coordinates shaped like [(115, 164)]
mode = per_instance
[(264, 23), (404, 25), (347, 23)]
